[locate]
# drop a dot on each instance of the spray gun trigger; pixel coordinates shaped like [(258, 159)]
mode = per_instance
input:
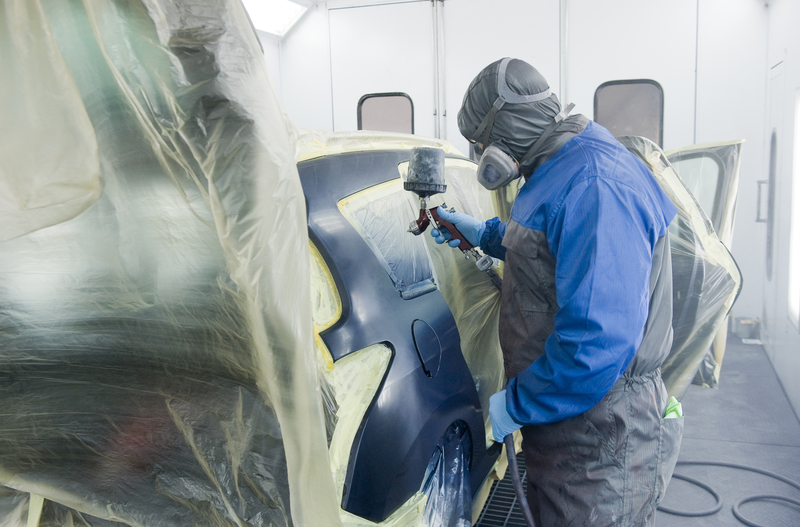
[(430, 218)]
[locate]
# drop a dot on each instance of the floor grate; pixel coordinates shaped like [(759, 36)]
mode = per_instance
[(502, 509)]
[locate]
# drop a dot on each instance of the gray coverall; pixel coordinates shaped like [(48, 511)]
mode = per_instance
[(608, 465)]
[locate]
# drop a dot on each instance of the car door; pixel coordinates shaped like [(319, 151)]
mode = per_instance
[(711, 173)]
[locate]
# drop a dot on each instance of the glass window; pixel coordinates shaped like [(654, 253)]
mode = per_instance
[(386, 112), (631, 107), (381, 215), (794, 255), (702, 174)]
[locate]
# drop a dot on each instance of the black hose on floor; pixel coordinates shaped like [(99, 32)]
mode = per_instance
[(742, 501), (518, 490)]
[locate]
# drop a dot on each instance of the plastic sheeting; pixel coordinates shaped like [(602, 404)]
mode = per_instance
[(311, 144), (54, 179), (705, 278), (711, 172), (447, 481), (156, 345)]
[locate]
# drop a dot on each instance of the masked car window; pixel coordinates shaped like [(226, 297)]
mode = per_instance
[(381, 215), (702, 175)]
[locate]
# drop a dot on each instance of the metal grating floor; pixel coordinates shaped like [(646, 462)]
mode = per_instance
[(501, 509)]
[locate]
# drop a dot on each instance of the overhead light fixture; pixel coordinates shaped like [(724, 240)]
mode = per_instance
[(274, 16)]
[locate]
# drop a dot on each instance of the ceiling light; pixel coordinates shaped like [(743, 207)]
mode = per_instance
[(274, 16)]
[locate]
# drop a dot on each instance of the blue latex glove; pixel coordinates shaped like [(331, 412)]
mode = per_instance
[(471, 228), (502, 423)]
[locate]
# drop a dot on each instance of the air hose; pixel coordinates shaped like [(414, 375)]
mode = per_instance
[(512, 464), (718, 505)]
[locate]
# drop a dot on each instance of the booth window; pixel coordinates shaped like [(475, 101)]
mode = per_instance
[(794, 244), (631, 107), (386, 112)]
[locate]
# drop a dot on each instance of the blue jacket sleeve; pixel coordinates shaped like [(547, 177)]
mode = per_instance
[(492, 239), (603, 238)]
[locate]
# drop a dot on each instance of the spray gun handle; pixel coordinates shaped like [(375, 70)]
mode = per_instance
[(454, 233)]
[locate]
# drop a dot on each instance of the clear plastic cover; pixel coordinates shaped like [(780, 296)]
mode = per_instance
[(711, 173), (447, 483), (311, 144), (42, 182), (157, 362), (706, 280)]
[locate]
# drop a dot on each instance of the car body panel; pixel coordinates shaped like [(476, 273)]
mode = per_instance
[(412, 409)]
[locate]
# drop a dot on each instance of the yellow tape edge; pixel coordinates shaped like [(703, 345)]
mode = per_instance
[(36, 504)]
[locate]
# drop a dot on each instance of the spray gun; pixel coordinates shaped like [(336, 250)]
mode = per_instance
[(426, 178)]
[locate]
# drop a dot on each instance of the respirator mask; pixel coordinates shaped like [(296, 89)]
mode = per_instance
[(497, 168)]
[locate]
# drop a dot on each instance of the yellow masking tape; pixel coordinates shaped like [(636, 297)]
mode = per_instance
[(35, 510)]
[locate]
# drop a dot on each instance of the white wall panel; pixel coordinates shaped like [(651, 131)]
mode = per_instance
[(272, 56), (731, 97), (382, 48), (306, 71), (771, 289), (634, 39), (478, 33), (782, 337)]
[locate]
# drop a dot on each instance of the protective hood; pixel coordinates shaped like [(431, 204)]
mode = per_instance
[(517, 125)]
